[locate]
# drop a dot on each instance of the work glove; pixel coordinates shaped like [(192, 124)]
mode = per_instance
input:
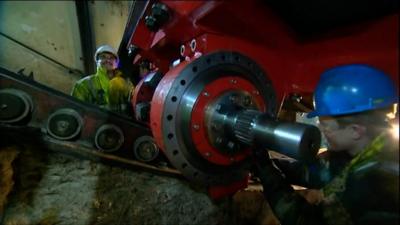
[(272, 180), (261, 157)]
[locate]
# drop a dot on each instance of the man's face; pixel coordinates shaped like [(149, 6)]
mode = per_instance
[(107, 60), (338, 138)]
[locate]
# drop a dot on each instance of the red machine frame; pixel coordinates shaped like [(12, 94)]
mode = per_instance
[(291, 60)]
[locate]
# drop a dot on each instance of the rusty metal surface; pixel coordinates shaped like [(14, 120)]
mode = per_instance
[(47, 102), (35, 136), (90, 153)]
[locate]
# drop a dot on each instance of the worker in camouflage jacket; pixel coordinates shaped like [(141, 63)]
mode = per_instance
[(356, 181)]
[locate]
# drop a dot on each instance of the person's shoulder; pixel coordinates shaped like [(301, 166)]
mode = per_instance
[(85, 79), (377, 169), (389, 168), (388, 157)]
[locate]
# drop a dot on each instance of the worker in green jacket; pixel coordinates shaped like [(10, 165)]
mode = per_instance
[(106, 88)]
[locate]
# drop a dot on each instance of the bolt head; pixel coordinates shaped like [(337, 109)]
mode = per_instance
[(233, 98), (193, 45), (182, 50), (218, 107), (215, 126), (247, 100), (196, 126)]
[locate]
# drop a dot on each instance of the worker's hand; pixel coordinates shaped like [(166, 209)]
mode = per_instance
[(261, 157), (275, 187)]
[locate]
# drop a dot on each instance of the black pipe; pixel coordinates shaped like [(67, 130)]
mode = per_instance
[(86, 34), (70, 70), (137, 10), (125, 53)]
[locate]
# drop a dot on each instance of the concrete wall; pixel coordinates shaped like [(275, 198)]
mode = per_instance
[(51, 28), (108, 21), (48, 27)]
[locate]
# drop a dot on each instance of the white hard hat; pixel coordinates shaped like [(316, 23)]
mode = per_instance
[(105, 48)]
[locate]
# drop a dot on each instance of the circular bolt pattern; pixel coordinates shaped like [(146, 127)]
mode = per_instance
[(176, 136)]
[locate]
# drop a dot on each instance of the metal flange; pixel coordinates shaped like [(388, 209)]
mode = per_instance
[(208, 134), (173, 107)]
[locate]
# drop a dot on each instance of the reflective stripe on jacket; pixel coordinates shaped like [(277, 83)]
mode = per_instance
[(100, 90)]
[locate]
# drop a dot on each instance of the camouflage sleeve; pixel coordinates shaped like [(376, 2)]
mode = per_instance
[(294, 171), (300, 173), (372, 193), (289, 207)]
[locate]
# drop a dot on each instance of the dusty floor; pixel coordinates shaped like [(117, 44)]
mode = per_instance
[(39, 187)]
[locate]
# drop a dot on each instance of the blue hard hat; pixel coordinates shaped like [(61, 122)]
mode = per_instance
[(351, 89)]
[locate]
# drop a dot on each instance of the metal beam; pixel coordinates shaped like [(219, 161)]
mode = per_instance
[(70, 69), (137, 10), (86, 34)]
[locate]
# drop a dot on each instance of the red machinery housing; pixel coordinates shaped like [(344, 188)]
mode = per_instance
[(224, 63), (224, 69)]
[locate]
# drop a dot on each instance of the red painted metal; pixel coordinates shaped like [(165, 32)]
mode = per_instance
[(198, 117), (142, 93), (157, 103), (293, 64), (217, 192)]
